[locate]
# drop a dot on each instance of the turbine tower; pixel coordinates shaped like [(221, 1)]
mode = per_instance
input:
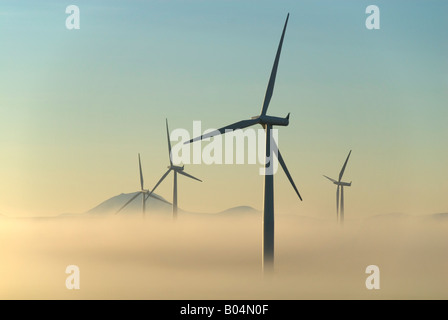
[(341, 185), (267, 122), (142, 191), (176, 170)]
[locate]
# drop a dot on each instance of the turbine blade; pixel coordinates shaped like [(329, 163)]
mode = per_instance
[(188, 175), (237, 125), (161, 179), (141, 174), (343, 167), (270, 88), (169, 142), (285, 169), (329, 178), (153, 196), (138, 193)]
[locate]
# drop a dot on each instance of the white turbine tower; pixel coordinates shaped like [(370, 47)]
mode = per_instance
[(142, 191), (176, 170), (267, 122), (341, 185)]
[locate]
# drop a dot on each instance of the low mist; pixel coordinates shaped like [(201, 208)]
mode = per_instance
[(219, 257)]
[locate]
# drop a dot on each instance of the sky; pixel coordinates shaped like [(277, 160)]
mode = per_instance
[(77, 106)]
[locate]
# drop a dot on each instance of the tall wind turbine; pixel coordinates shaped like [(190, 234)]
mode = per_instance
[(341, 185), (142, 191), (176, 170), (267, 122)]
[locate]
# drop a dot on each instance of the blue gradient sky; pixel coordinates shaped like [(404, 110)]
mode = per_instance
[(77, 106)]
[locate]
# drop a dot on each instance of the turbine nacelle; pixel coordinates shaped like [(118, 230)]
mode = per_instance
[(176, 168), (339, 183), (270, 120), (345, 184)]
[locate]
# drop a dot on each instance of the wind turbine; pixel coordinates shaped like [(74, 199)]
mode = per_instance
[(341, 185), (176, 170), (142, 191), (267, 122)]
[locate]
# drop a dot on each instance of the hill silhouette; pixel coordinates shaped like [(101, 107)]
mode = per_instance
[(112, 205)]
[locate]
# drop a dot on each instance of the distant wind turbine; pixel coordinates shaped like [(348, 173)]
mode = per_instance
[(142, 191), (341, 185), (176, 170), (267, 122)]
